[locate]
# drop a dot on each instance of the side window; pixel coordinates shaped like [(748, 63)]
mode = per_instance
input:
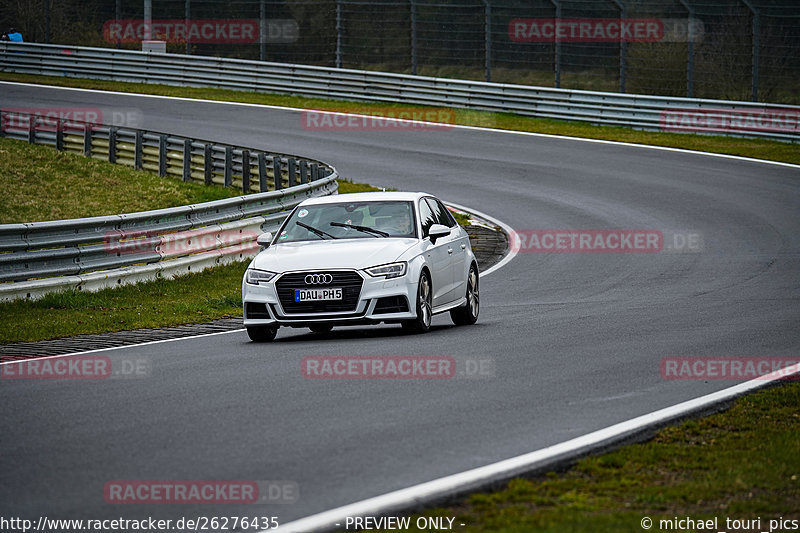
[(426, 216), (441, 213)]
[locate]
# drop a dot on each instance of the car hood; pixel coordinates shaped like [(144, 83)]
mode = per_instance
[(342, 253)]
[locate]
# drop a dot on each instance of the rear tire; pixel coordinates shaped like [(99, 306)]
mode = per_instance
[(468, 313), (422, 323), (262, 333)]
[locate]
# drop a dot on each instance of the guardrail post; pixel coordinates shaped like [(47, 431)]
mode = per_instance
[(208, 165), (277, 173), (245, 171), (60, 134), (162, 155), (187, 158), (228, 173), (112, 145), (32, 121), (314, 172), (292, 172), (87, 139), (303, 171), (138, 148), (262, 172)]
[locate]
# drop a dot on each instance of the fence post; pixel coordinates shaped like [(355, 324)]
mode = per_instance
[(277, 173), (112, 145), (187, 17), (245, 171), (187, 159), (413, 37), (138, 149), (487, 37), (557, 41), (262, 172), (623, 48), (690, 58), (162, 155), (228, 166), (756, 28), (262, 30), (339, 30)]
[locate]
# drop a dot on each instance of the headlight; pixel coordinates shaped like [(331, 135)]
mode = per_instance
[(392, 270), (254, 277)]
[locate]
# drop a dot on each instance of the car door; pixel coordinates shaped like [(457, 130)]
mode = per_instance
[(436, 256), (457, 243)]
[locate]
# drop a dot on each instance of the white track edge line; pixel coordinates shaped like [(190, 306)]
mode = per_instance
[(414, 495), (110, 348), (455, 126), (508, 229)]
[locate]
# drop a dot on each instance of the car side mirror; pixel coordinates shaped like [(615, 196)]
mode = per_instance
[(437, 231), (264, 239)]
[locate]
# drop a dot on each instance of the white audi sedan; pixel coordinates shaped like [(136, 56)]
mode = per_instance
[(365, 258)]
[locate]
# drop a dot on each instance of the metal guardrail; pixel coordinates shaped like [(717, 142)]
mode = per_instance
[(97, 252), (645, 112)]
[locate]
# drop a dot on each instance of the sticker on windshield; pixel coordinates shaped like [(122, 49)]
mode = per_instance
[(302, 213), (283, 235)]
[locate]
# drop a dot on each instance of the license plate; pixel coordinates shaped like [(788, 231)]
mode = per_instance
[(316, 295)]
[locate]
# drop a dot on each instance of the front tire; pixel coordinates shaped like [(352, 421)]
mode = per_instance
[(262, 333), (422, 323), (468, 313)]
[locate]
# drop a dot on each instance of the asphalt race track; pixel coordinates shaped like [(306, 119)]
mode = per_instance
[(575, 340)]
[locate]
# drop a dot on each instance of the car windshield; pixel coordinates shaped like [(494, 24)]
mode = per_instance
[(350, 220)]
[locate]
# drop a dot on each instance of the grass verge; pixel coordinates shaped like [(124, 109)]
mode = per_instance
[(738, 464), (41, 183), (760, 149)]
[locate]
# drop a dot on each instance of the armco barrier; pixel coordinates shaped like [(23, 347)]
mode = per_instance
[(97, 252), (745, 119)]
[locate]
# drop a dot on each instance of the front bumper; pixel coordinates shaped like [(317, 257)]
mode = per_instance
[(380, 300)]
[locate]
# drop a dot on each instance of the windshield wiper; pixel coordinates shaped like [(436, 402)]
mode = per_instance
[(315, 231), (363, 229)]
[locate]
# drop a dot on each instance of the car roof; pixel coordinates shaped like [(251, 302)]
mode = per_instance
[(366, 197)]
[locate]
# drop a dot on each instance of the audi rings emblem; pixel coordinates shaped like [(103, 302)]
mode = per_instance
[(319, 279)]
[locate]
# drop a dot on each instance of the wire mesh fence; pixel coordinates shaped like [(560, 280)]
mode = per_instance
[(728, 49)]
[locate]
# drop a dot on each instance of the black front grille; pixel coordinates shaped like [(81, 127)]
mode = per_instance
[(349, 281)]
